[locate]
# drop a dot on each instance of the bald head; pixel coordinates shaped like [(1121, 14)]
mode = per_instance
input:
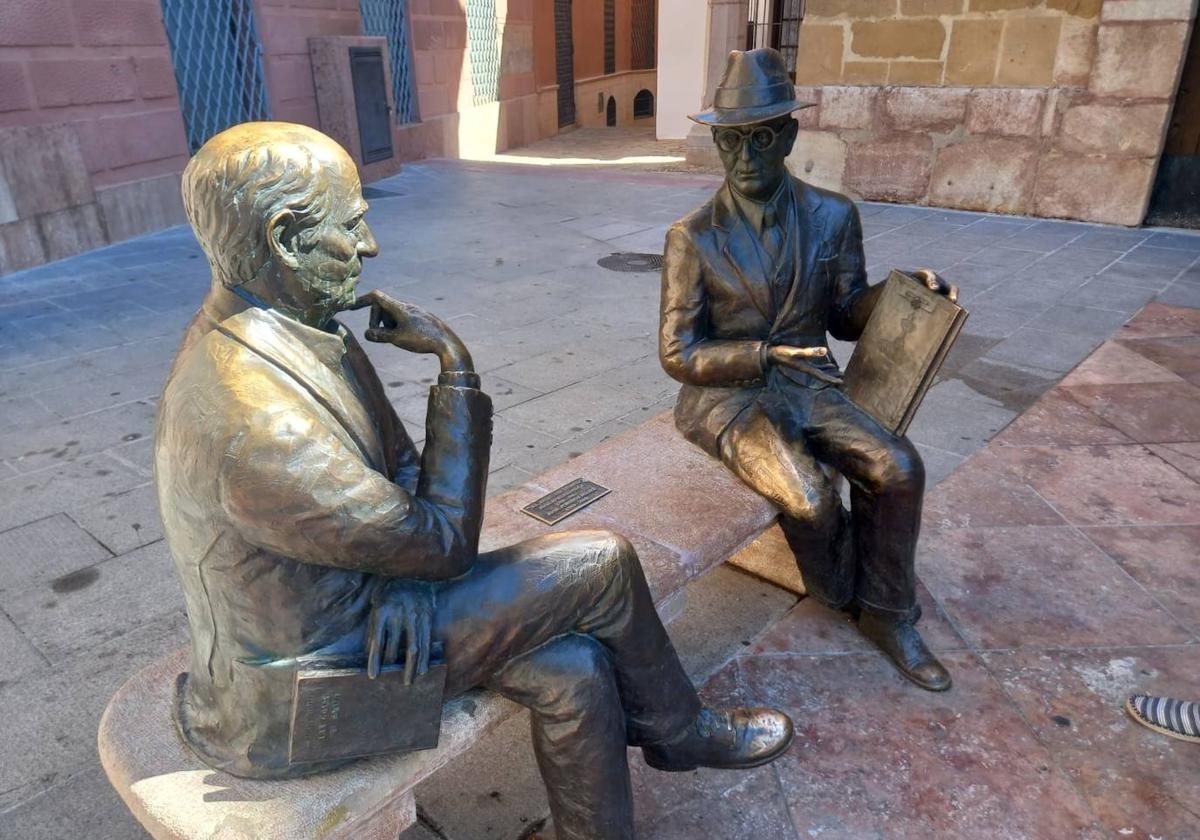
[(256, 176)]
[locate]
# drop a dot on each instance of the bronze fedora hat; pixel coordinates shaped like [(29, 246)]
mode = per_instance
[(756, 88)]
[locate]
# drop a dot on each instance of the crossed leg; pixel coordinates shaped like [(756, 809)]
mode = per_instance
[(565, 625)]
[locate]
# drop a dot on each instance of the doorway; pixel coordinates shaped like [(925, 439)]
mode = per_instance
[(564, 63), (610, 113), (1175, 200)]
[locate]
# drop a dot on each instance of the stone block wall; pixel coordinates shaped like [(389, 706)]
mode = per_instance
[(91, 137), (1050, 107)]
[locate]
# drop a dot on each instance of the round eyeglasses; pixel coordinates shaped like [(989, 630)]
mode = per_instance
[(731, 140)]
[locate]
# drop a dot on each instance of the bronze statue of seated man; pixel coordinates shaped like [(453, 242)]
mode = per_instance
[(304, 522), (752, 282)]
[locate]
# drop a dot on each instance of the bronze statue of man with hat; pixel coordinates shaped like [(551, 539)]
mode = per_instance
[(752, 282)]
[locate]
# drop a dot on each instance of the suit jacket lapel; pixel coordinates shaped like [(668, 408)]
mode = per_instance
[(260, 332), (808, 220), (736, 243)]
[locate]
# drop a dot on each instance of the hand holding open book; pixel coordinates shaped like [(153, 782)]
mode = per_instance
[(912, 328)]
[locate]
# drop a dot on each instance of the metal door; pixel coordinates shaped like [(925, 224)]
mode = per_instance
[(1175, 200), (370, 103), (564, 59)]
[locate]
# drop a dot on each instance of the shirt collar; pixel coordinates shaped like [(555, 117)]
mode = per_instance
[(329, 347), (754, 212)]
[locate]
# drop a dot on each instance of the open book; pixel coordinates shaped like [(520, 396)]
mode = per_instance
[(901, 349)]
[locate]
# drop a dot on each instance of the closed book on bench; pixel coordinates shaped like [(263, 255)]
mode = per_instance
[(901, 349), (341, 713)]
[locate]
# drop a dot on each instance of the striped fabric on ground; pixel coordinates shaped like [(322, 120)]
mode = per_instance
[(1176, 718)]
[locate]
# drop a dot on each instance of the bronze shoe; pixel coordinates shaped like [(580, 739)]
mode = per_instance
[(903, 644), (732, 740)]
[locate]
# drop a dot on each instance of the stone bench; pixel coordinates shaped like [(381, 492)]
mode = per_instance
[(684, 514)]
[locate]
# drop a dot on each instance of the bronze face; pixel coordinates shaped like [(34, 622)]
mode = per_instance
[(279, 211), (755, 167)]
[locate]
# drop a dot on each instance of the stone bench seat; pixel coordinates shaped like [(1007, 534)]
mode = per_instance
[(683, 513)]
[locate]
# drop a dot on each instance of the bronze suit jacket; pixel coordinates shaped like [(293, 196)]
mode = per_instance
[(720, 310), (289, 490)]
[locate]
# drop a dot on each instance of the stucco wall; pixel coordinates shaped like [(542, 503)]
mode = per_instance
[(682, 59)]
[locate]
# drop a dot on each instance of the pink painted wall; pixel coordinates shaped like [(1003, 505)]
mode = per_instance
[(104, 68)]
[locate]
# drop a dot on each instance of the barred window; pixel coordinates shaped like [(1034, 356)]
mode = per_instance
[(389, 19), (218, 65)]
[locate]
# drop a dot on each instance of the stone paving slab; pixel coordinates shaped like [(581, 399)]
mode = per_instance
[(504, 252)]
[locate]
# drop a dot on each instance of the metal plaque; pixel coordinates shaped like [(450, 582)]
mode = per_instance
[(342, 713), (571, 498)]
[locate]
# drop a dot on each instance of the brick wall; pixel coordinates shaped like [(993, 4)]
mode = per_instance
[(91, 138), (1051, 107)]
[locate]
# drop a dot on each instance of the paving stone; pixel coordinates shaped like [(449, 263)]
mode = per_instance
[(1184, 457), (1113, 484), (994, 585), (1056, 419), (83, 799), (1162, 560), (1079, 320), (123, 522), (984, 493), (40, 552), (1179, 354), (1149, 412), (1051, 351), (1115, 364), (18, 657), (1117, 297), (954, 764), (956, 418), (1136, 781), (80, 436), (1181, 294), (51, 717), (75, 612), (572, 410)]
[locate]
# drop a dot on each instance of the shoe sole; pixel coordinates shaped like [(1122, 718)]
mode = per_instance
[(668, 767), (1149, 724)]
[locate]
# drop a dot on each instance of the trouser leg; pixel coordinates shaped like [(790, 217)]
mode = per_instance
[(517, 599), (887, 486), (764, 449), (578, 731)]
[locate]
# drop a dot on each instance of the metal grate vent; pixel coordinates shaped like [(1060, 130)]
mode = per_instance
[(483, 39), (631, 262), (389, 19), (218, 65)]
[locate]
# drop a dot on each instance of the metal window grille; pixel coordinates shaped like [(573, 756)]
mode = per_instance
[(389, 19), (218, 65), (776, 23), (610, 36), (483, 40), (643, 35), (643, 104)]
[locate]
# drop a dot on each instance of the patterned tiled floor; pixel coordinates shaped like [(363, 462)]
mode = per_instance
[(1062, 575)]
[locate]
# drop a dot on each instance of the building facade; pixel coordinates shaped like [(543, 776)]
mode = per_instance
[(1057, 108), (103, 101)]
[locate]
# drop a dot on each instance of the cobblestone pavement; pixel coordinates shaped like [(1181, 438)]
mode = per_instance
[(508, 255)]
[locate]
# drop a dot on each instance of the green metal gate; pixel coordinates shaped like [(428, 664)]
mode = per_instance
[(218, 65), (483, 39), (389, 19)]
